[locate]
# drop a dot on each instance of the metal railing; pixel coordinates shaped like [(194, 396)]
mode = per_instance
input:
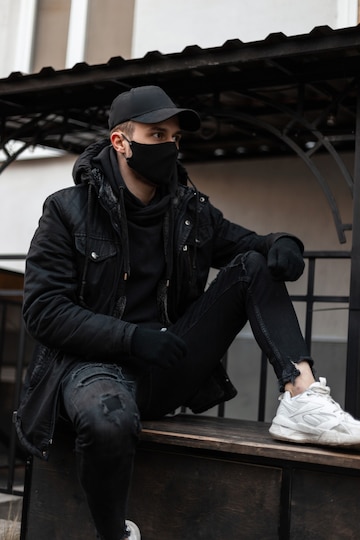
[(15, 460)]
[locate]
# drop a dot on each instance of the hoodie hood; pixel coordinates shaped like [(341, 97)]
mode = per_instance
[(83, 165)]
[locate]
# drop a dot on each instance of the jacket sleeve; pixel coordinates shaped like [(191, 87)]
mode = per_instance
[(231, 239), (51, 309)]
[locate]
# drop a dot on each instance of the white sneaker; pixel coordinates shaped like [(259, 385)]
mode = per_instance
[(313, 417), (133, 530)]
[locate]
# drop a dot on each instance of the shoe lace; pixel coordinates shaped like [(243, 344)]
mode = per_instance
[(324, 391), (321, 391)]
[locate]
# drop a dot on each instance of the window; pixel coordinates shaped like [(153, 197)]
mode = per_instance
[(51, 34), (65, 32), (110, 29)]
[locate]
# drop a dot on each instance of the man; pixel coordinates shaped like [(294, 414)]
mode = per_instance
[(115, 296)]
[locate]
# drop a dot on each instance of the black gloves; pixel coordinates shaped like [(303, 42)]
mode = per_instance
[(285, 260), (157, 347)]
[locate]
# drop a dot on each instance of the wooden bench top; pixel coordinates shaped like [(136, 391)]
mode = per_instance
[(240, 437)]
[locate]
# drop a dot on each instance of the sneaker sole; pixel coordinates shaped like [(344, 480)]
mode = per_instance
[(134, 530), (326, 439)]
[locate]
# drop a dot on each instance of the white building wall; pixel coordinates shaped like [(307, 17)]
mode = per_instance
[(169, 25), (24, 185)]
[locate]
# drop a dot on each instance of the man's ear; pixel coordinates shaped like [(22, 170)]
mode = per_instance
[(118, 141)]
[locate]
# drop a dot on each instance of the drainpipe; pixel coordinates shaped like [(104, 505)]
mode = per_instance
[(352, 393)]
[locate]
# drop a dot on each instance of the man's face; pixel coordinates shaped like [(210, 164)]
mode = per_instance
[(166, 131), (143, 167)]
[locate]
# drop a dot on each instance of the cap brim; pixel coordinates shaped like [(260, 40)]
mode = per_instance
[(189, 120)]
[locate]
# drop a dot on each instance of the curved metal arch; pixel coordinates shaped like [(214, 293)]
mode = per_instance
[(304, 155), (32, 125), (340, 227), (322, 141), (12, 157)]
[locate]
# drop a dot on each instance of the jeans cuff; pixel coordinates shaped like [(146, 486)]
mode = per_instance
[(290, 373)]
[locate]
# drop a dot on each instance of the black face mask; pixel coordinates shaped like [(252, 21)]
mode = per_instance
[(155, 162)]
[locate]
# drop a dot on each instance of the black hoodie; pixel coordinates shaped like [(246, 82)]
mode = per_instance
[(143, 237)]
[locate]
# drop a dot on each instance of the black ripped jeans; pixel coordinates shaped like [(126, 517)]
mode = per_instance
[(105, 402)]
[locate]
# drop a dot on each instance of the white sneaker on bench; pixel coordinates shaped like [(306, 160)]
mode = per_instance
[(313, 417), (133, 530)]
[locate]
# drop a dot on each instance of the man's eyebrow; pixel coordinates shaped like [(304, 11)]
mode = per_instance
[(158, 127)]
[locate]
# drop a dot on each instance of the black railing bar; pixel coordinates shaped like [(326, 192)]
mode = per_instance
[(309, 299), (17, 390), (221, 406), (26, 497), (8, 301), (2, 331), (17, 492), (318, 298), (331, 309), (327, 254), (12, 257), (221, 410), (262, 387)]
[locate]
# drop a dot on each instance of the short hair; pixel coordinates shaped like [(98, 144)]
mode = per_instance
[(127, 127)]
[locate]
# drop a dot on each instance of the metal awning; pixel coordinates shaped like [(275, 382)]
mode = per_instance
[(272, 97)]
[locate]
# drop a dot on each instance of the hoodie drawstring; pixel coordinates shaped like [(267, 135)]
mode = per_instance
[(120, 303), (163, 288), (87, 254)]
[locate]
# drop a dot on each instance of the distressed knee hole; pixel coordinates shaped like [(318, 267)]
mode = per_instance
[(112, 403)]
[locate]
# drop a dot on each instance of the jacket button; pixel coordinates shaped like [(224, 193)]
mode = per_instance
[(202, 199), (187, 222), (185, 248), (94, 255)]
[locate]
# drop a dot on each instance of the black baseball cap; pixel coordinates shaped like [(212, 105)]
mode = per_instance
[(148, 105)]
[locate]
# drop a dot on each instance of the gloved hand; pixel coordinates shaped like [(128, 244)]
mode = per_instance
[(157, 347), (285, 260)]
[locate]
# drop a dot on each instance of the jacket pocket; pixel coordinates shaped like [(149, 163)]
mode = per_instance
[(100, 264), (97, 249)]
